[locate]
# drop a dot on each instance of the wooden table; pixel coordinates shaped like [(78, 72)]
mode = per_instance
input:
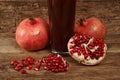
[(109, 69), (12, 11)]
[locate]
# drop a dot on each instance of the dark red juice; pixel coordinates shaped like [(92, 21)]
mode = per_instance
[(61, 18)]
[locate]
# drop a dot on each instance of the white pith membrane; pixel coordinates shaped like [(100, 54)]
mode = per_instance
[(79, 56)]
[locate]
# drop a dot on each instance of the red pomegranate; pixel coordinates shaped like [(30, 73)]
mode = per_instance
[(32, 34), (91, 26), (87, 49)]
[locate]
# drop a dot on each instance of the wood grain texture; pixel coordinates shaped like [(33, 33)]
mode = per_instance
[(10, 51), (13, 11)]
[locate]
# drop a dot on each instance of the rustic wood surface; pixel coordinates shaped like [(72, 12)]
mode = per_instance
[(13, 11)]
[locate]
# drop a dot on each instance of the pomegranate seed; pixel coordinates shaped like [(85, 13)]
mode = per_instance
[(20, 64), (71, 52), (23, 72), (90, 47), (85, 56), (40, 61), (55, 70), (30, 60), (14, 63), (29, 67), (26, 63), (51, 62), (22, 59), (72, 42), (18, 68), (37, 67), (46, 68), (79, 53), (92, 56)]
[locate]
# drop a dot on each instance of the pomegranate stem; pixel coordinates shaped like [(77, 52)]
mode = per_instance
[(81, 21), (32, 20)]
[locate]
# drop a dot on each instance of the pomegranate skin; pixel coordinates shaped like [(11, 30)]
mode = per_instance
[(32, 34), (91, 26)]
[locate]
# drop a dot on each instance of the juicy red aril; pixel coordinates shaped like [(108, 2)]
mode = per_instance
[(46, 68), (14, 63), (83, 44), (56, 70), (23, 72), (41, 60), (27, 63), (37, 67), (90, 46), (29, 67), (30, 60), (18, 68), (22, 62), (55, 63), (52, 62), (51, 55)]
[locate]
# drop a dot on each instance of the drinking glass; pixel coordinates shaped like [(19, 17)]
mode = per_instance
[(61, 19)]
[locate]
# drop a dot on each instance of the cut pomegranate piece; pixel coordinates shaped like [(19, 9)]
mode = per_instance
[(87, 49)]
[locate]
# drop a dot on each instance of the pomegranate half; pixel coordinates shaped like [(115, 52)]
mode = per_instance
[(32, 34), (86, 49)]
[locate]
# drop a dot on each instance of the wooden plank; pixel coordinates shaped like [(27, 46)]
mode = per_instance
[(109, 67)]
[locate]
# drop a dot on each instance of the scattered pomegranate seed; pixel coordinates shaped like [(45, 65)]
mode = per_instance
[(23, 72), (27, 63), (18, 68), (55, 63), (52, 62), (36, 69), (40, 61), (30, 60), (38, 66), (47, 68), (14, 63), (29, 67)]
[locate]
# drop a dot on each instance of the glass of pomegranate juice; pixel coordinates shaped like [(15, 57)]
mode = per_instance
[(61, 20)]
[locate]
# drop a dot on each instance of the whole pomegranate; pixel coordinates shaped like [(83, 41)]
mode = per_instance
[(87, 49), (91, 26), (32, 34)]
